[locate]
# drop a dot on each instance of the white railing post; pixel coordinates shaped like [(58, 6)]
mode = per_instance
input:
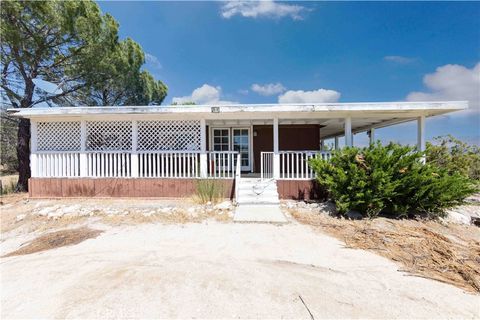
[(83, 148), (134, 159), (33, 150), (203, 149), (348, 132), (238, 174), (276, 157), (421, 135), (262, 168)]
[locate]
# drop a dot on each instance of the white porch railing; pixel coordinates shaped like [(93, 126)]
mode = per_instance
[(169, 164), (293, 164), (109, 164), (266, 165), (121, 164), (57, 164), (221, 164)]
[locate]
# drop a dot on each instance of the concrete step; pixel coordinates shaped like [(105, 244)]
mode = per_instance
[(257, 187), (258, 207), (255, 181), (257, 201), (265, 194), (260, 187)]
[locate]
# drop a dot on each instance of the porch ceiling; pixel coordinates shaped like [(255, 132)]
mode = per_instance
[(329, 127), (335, 127)]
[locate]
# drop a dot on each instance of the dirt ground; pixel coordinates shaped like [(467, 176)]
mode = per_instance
[(207, 267), (445, 252)]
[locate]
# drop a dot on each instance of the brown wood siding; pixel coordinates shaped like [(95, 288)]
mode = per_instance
[(300, 190), (118, 187), (291, 137)]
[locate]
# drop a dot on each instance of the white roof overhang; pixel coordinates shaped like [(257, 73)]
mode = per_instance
[(364, 115)]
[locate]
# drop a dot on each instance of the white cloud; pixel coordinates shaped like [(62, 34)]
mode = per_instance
[(399, 59), (451, 82), (266, 8), (268, 89), (206, 94), (314, 96), (153, 61)]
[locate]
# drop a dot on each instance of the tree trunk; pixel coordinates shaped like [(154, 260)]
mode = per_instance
[(23, 155)]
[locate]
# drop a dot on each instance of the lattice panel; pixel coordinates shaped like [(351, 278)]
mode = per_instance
[(58, 136), (109, 135), (168, 135)]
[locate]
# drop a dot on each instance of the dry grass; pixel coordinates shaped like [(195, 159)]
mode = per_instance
[(177, 217), (447, 253), (55, 240)]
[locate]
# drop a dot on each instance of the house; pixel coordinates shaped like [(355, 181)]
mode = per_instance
[(160, 151)]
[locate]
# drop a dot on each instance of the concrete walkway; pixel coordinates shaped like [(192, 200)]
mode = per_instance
[(259, 213)]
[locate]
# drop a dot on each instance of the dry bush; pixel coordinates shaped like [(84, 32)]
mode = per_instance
[(447, 253), (209, 190)]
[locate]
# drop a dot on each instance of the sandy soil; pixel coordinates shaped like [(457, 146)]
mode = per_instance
[(437, 250), (219, 270)]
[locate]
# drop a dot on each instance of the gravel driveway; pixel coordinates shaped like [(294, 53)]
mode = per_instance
[(219, 270)]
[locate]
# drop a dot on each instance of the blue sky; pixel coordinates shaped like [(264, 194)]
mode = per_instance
[(269, 52)]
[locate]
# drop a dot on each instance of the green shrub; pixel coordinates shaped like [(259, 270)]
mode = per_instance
[(209, 190), (8, 144), (389, 179), (455, 156)]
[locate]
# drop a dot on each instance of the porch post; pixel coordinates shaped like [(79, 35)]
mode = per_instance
[(83, 147), (276, 155), (348, 132), (337, 143), (134, 161), (421, 135), (371, 135), (33, 149), (203, 149)]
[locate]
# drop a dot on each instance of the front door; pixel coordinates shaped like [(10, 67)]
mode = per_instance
[(241, 143), (233, 139)]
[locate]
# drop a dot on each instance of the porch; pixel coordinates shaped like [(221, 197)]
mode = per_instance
[(162, 151), (156, 158)]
